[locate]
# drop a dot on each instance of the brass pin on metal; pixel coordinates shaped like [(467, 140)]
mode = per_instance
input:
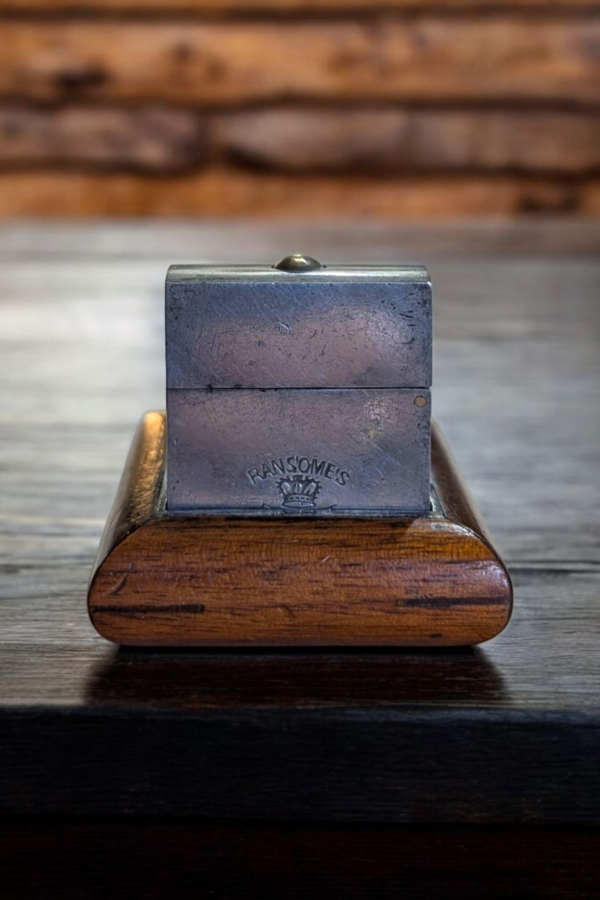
[(298, 262)]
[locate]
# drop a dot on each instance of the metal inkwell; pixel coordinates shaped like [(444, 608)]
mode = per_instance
[(295, 494), (298, 389)]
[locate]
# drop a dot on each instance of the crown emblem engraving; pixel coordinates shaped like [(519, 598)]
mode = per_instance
[(300, 480), (299, 492)]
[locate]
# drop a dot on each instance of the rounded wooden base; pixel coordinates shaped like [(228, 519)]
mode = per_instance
[(178, 580)]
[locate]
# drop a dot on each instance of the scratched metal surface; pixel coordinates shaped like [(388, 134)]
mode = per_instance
[(299, 451), (269, 330)]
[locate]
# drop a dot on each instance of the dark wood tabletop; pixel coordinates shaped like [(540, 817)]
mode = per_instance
[(505, 735)]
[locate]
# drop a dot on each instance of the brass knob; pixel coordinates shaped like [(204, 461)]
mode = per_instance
[(298, 262)]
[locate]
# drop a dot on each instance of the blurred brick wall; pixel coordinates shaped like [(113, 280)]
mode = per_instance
[(299, 107)]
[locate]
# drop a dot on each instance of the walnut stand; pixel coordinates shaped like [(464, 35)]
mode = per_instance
[(163, 579)]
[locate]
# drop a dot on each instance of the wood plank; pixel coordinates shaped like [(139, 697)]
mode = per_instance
[(493, 57), (304, 139), (591, 201), (373, 762), (161, 139), (153, 139), (147, 251), (275, 6), (221, 191)]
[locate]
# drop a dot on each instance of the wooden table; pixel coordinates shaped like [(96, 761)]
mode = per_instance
[(432, 774)]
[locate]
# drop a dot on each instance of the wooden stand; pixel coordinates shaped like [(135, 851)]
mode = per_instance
[(176, 580)]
